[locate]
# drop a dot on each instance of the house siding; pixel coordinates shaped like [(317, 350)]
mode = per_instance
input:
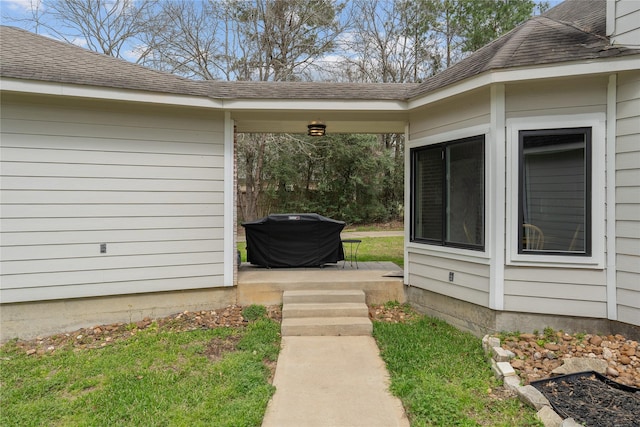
[(429, 269), (145, 181), (450, 115), (628, 198), (556, 289), (626, 31), (470, 280)]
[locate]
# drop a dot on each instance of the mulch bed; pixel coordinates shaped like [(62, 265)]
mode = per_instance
[(592, 399)]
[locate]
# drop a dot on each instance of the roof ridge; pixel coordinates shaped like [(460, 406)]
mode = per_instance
[(511, 42), (574, 25)]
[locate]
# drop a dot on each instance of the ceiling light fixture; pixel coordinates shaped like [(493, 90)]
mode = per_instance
[(316, 128)]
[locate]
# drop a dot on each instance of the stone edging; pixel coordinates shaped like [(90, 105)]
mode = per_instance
[(528, 394)]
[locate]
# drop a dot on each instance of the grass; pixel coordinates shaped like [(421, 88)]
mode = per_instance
[(219, 377), (155, 378), (442, 378), (371, 249), (382, 249)]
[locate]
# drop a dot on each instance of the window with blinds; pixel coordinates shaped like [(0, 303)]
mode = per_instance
[(447, 197), (555, 191)]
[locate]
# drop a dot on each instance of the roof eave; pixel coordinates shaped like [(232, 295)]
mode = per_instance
[(527, 73), (10, 84), (315, 104)]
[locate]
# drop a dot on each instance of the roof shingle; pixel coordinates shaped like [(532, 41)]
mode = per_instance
[(572, 31)]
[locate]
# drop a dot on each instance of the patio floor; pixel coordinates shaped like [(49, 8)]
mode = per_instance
[(381, 281)]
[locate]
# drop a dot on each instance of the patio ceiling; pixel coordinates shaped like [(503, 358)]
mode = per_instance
[(340, 117)]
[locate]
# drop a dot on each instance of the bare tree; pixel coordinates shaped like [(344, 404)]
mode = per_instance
[(106, 26), (388, 42)]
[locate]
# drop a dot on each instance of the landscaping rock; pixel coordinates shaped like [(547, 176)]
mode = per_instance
[(549, 417), (532, 397), (511, 383), (505, 369), (517, 364), (595, 340), (570, 422), (500, 354), (612, 372), (581, 364)]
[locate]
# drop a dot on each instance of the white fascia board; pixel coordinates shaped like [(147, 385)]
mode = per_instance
[(314, 104), (114, 94), (545, 71)]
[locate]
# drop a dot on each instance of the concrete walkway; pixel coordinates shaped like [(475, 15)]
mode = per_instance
[(332, 382)]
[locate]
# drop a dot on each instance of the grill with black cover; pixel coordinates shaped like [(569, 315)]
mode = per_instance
[(294, 240)]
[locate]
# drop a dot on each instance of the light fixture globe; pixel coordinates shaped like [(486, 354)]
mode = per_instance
[(316, 128)]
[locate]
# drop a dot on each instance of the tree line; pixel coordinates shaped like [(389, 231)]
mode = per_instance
[(356, 178)]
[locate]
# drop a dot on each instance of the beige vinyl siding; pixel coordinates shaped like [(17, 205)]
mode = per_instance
[(431, 272), (628, 198), (556, 290), (557, 97), (627, 16), (470, 280), (451, 114), (145, 180), (570, 292)]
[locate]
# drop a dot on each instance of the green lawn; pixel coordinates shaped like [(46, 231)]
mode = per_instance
[(442, 377), (155, 378), (371, 249), (163, 377)]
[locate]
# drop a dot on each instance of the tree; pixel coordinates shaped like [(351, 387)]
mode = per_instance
[(479, 24), (105, 26)]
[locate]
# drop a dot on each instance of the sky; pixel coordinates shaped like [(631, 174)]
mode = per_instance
[(17, 12)]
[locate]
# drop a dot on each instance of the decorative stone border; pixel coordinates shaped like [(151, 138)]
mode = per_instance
[(528, 394)]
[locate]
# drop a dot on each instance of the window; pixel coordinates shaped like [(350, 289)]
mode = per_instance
[(554, 198), (447, 197)]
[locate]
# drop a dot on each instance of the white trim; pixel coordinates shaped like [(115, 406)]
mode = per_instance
[(461, 254), (451, 136), (612, 302), (229, 243), (495, 197), (95, 92), (597, 121), (545, 71), (407, 203), (298, 105)]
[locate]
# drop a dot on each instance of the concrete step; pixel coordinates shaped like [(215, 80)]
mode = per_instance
[(323, 296), (338, 309), (327, 326)]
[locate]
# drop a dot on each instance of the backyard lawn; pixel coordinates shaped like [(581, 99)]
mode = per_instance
[(442, 378), (155, 377), (371, 249), (159, 376)]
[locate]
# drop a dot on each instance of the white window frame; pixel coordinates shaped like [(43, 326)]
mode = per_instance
[(597, 123), (462, 254)]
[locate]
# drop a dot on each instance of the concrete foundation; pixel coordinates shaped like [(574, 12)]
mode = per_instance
[(42, 318), (481, 320), (381, 282)]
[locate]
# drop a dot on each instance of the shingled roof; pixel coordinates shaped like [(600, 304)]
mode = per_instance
[(28, 56), (572, 31)]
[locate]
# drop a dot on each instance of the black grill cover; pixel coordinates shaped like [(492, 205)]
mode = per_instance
[(294, 240)]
